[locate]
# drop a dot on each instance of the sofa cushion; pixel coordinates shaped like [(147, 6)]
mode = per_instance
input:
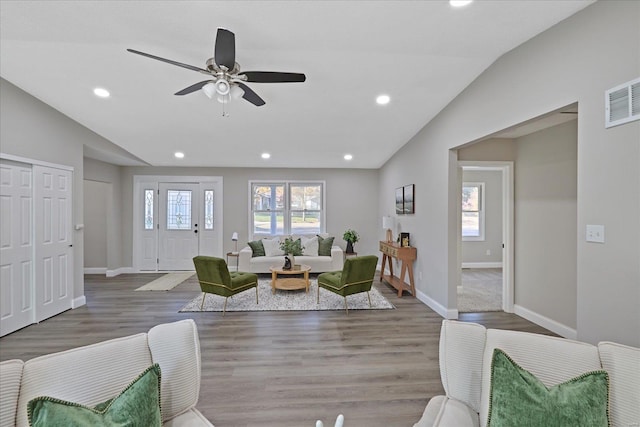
[(272, 247), (137, 404), (11, 375), (310, 246), (552, 360), (257, 248), (622, 363), (324, 245), (518, 398)]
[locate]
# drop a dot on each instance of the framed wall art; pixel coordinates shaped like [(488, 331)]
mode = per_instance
[(409, 207), (400, 200)]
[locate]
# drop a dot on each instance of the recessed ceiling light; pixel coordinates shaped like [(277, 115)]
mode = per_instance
[(348, 157), (266, 155), (102, 93), (383, 99), (459, 3), (179, 155)]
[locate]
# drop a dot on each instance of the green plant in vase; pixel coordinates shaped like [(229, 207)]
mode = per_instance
[(351, 237), (291, 248)]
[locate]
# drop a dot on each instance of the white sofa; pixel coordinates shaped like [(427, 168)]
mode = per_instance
[(319, 264), (92, 374), (466, 350)]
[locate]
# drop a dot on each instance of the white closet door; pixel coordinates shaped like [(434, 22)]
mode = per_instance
[(16, 247), (54, 251)]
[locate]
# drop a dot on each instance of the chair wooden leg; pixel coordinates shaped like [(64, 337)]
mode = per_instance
[(256, 294), (204, 295), (369, 296), (345, 305), (318, 301), (224, 309)]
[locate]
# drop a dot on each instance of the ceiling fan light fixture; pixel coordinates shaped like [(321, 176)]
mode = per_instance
[(236, 92), (222, 87), (209, 89)]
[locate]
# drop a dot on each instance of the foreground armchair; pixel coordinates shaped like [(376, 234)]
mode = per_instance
[(214, 277), (356, 276), (468, 368)]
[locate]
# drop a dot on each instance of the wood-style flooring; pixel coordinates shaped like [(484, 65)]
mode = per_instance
[(287, 369)]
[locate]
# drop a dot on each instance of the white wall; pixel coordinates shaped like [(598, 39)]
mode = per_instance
[(351, 201), (475, 251), (546, 223), (574, 61)]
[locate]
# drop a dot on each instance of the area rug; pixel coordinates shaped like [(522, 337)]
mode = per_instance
[(289, 300), (167, 282)]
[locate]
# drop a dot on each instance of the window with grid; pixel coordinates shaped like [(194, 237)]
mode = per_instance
[(283, 208), (472, 211)]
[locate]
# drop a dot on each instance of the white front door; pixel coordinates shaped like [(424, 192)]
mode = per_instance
[(178, 231), (16, 247), (53, 237)]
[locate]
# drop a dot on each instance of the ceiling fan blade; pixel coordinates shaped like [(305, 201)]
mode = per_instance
[(273, 77), (225, 50), (250, 95), (168, 61), (193, 88)]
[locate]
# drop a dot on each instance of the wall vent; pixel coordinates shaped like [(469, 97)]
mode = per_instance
[(622, 104)]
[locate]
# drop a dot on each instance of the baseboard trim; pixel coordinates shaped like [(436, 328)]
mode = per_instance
[(121, 270), (95, 270), (545, 322), (78, 302), (436, 306), (482, 265)]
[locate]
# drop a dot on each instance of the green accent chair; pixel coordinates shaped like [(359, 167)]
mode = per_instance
[(214, 278), (356, 276)]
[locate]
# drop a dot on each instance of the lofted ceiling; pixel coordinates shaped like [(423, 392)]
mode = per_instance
[(420, 53)]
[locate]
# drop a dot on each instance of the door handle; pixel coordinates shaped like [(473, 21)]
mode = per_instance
[(70, 246), (195, 231)]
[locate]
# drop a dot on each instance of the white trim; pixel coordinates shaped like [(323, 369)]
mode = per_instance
[(123, 270), (78, 302), (95, 270), (508, 259), (482, 265), (436, 306), (545, 322), (35, 162)]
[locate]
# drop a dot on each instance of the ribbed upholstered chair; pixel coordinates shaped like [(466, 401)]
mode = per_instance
[(356, 276), (214, 278)]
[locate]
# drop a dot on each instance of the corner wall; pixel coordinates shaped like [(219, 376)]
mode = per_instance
[(574, 61)]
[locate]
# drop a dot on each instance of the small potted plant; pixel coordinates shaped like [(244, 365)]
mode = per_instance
[(291, 248), (351, 237)]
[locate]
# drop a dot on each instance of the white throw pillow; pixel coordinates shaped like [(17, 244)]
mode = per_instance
[(272, 247), (310, 246)]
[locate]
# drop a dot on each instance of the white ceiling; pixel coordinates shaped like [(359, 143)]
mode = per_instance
[(421, 53)]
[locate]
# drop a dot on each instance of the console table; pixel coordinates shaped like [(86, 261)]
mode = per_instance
[(406, 255)]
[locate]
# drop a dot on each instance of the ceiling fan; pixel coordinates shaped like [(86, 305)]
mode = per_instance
[(225, 79)]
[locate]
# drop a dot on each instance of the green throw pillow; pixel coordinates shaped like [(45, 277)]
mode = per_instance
[(137, 405), (518, 398), (324, 246), (257, 248)]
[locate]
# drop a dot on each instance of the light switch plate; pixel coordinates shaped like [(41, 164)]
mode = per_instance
[(595, 233)]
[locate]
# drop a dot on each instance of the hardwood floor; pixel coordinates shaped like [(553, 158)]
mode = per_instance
[(378, 367)]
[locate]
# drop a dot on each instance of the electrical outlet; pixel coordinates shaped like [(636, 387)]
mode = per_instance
[(420, 275), (488, 252), (595, 233)]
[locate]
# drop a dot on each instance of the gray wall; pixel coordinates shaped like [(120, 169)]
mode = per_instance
[(574, 61), (351, 201), (96, 202), (98, 171), (476, 251), (546, 223)]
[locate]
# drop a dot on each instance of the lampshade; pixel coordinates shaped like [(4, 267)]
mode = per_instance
[(387, 222), (234, 237), (209, 89)]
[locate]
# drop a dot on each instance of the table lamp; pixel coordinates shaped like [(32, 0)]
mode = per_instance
[(234, 237), (387, 224)]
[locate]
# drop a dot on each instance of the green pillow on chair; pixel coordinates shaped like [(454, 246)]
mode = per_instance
[(137, 405), (518, 398)]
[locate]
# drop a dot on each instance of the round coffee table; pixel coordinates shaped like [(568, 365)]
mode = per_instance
[(290, 283)]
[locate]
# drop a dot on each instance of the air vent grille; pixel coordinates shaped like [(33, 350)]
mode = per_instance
[(622, 104)]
